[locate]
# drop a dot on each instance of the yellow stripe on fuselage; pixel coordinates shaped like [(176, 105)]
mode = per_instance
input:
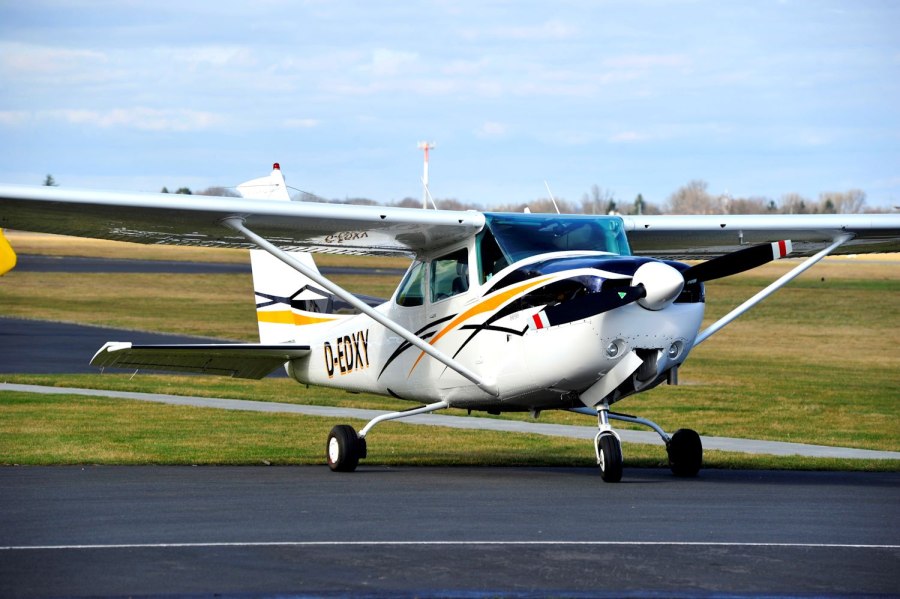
[(290, 317)]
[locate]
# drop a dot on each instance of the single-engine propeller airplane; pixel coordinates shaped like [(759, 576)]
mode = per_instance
[(497, 312)]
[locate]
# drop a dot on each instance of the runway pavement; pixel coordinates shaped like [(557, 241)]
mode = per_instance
[(67, 531), (42, 347)]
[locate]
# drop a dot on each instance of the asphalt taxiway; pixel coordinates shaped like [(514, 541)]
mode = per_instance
[(43, 347), (465, 531)]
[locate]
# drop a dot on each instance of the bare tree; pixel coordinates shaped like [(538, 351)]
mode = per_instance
[(747, 206), (794, 203), (408, 203), (223, 192), (692, 199), (848, 202), (599, 201)]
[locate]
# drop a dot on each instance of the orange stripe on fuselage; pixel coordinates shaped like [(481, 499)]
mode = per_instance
[(490, 303)]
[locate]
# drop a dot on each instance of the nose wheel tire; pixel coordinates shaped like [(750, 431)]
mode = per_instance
[(609, 457), (685, 453), (344, 449)]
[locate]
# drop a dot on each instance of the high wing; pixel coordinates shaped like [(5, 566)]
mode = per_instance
[(243, 360), (199, 220), (157, 218), (707, 236)]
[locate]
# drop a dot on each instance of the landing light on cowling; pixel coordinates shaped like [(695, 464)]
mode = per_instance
[(662, 284)]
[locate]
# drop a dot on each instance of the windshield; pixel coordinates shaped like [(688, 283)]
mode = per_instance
[(523, 235)]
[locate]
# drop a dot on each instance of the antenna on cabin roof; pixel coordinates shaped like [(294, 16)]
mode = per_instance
[(426, 145), (552, 199)]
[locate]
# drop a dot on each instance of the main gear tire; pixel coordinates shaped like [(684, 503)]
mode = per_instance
[(344, 449), (685, 453)]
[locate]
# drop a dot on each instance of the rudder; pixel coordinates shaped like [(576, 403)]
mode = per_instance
[(285, 298)]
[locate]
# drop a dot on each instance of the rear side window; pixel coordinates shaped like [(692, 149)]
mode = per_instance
[(412, 288), (450, 275)]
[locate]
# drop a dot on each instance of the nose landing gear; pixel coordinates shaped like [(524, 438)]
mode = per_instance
[(608, 447), (684, 447)]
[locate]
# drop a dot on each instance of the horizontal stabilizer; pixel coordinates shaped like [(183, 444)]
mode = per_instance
[(239, 360)]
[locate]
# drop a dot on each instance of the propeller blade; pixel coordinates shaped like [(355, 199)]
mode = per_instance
[(737, 262), (592, 304)]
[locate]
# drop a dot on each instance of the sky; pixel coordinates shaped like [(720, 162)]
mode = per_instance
[(757, 98)]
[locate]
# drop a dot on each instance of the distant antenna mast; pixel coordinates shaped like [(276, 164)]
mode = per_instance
[(426, 145)]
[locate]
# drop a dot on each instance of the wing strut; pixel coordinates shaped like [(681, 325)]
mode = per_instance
[(781, 282), (236, 223)]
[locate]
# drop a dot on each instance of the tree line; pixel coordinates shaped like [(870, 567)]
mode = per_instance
[(692, 198)]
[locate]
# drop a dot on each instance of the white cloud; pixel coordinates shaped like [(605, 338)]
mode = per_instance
[(553, 29), (629, 137), (301, 123), (31, 59), (211, 56), (11, 118), (492, 130), (646, 61), (387, 63), (141, 118)]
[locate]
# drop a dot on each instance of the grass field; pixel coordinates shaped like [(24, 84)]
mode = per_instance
[(817, 363)]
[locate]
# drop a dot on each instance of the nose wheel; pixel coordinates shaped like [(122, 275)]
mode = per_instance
[(609, 456), (608, 447)]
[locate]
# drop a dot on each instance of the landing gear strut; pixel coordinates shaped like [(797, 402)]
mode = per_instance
[(345, 447), (684, 448), (608, 447)]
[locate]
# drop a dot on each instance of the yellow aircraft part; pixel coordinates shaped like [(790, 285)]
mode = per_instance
[(288, 317), (7, 255)]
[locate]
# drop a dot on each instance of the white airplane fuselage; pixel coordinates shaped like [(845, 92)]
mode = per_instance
[(502, 332)]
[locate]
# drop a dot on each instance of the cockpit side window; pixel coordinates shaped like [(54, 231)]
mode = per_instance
[(412, 288), (450, 275), (491, 259)]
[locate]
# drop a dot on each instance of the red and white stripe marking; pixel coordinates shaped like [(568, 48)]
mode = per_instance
[(540, 320), (780, 249)]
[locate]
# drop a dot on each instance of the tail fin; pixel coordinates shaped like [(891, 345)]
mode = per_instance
[(7, 255), (285, 299)]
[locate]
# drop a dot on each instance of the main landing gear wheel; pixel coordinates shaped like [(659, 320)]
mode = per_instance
[(609, 457), (344, 449), (685, 452)]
